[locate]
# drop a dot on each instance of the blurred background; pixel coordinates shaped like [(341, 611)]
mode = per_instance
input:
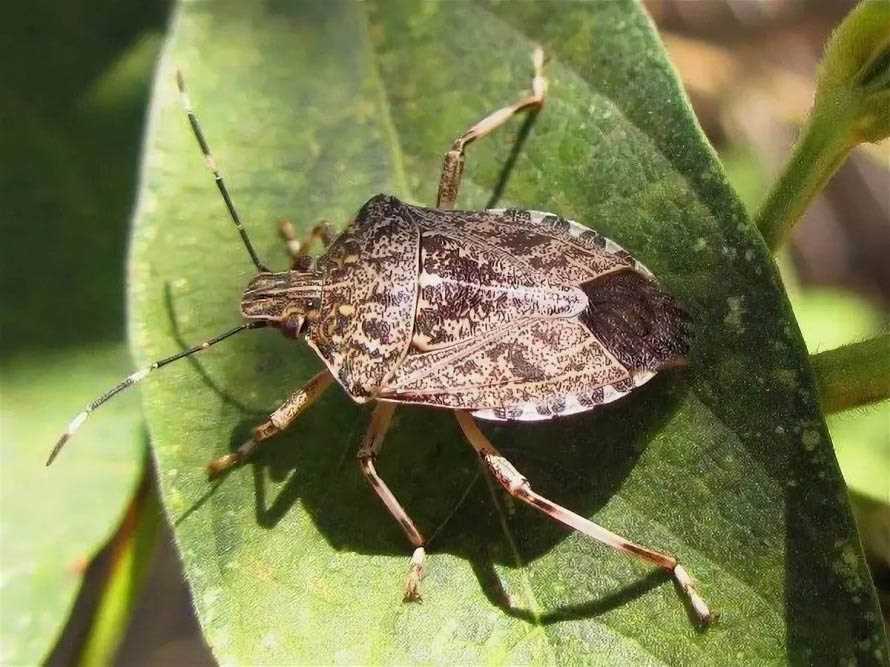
[(76, 83)]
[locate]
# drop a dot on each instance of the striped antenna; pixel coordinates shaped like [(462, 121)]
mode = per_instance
[(211, 163), (138, 376)]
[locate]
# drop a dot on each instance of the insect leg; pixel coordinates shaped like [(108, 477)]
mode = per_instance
[(277, 422), (299, 249), (453, 164), (518, 486), (371, 445)]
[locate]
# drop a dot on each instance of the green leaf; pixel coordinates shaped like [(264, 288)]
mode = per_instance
[(851, 106), (829, 319), (75, 84), (55, 519), (313, 108)]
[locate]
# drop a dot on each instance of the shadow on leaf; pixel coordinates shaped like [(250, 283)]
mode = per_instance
[(438, 484)]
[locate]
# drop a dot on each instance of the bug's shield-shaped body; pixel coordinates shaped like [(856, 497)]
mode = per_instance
[(512, 314)]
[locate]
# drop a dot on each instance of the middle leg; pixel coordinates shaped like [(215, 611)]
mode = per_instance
[(367, 453)]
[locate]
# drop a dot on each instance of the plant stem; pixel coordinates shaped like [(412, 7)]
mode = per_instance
[(825, 142), (131, 550), (853, 375)]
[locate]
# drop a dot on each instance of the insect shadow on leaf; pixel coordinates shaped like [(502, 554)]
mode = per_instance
[(515, 150), (176, 333)]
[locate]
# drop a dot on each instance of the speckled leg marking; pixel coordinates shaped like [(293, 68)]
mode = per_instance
[(278, 421), (299, 249), (371, 445), (517, 485), (453, 165)]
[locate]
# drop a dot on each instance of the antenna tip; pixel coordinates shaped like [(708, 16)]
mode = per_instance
[(58, 448), (72, 428), (180, 80)]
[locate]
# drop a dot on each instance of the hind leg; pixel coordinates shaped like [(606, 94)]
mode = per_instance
[(518, 486)]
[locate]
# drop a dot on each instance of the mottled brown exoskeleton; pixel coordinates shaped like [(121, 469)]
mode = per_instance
[(495, 314)]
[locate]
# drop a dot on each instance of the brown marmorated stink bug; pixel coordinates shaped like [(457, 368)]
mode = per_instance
[(495, 314)]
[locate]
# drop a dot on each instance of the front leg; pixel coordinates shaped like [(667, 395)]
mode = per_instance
[(453, 164), (278, 421)]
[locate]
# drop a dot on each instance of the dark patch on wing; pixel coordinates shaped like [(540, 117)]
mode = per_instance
[(638, 322)]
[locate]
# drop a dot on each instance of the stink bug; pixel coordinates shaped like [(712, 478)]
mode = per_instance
[(509, 315)]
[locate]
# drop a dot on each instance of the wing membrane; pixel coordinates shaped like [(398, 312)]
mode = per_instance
[(537, 362)]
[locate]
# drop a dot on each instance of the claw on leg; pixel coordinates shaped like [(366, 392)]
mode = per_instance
[(367, 454), (415, 574), (698, 604), (217, 467)]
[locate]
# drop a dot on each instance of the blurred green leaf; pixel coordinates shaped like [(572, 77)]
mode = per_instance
[(132, 548), (55, 520), (313, 108), (851, 106), (862, 445), (67, 188), (745, 172), (830, 318)]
